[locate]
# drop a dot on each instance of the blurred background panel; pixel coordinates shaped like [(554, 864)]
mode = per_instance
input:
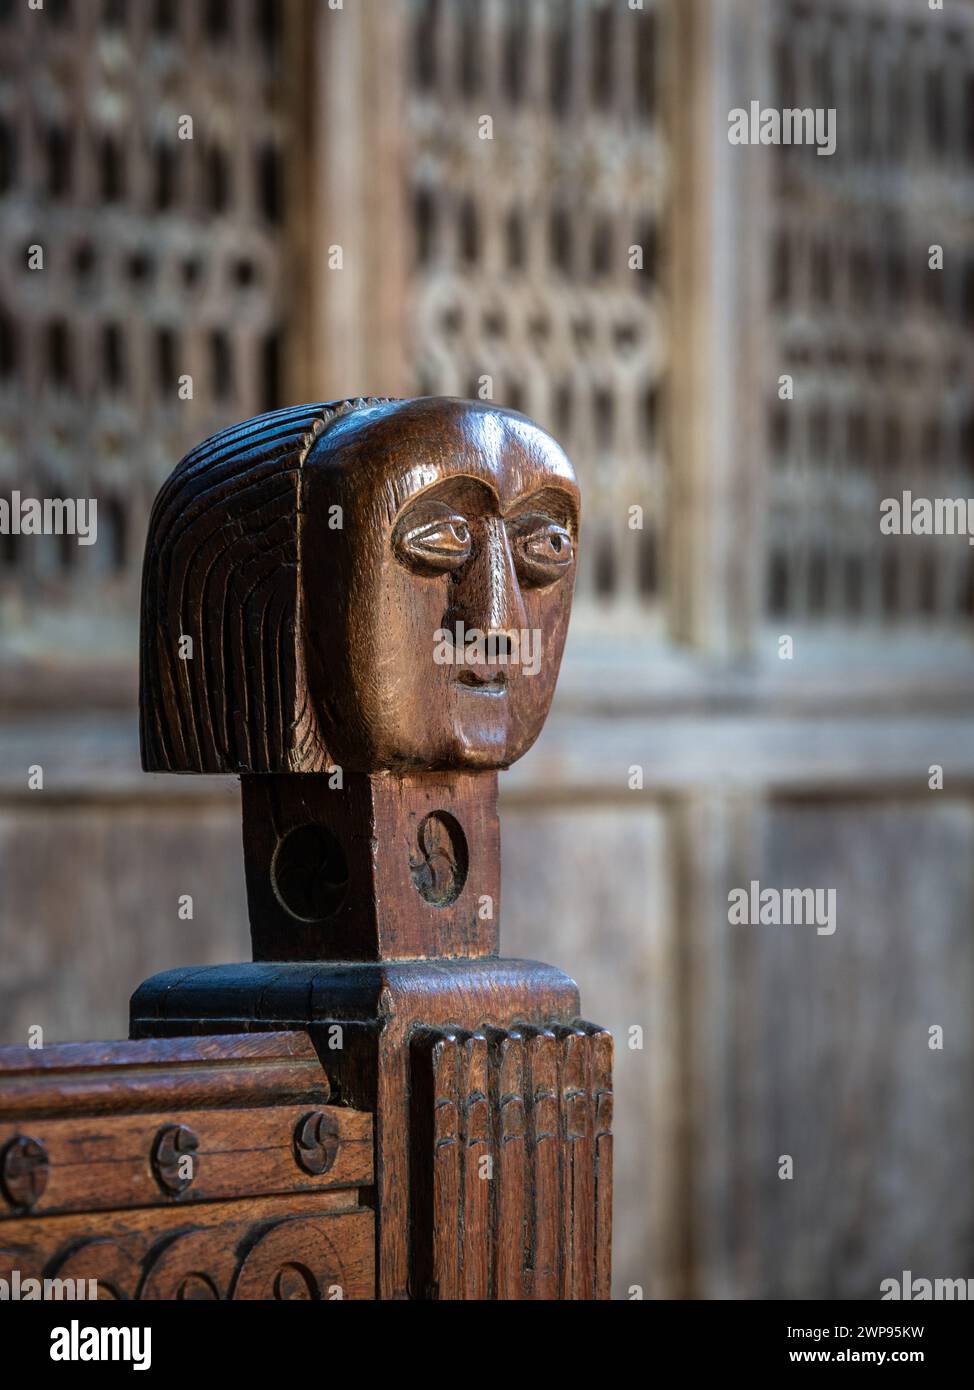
[(536, 201)]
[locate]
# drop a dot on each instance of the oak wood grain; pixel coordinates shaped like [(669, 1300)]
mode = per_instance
[(104, 1162), (154, 1074), (512, 1198), (304, 1245)]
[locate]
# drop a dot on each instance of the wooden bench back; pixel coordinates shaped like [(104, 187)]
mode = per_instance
[(203, 1168)]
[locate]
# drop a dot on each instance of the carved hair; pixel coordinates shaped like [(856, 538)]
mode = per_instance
[(219, 603)]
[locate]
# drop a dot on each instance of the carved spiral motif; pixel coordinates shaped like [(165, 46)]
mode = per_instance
[(439, 870)]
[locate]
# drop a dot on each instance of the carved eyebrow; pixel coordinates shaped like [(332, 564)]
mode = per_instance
[(552, 501), (454, 491), (551, 498)]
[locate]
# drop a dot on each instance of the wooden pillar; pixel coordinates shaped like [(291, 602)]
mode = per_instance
[(721, 379), (353, 236)]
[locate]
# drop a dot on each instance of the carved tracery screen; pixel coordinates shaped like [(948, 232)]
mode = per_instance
[(166, 258), (879, 343), (163, 259), (538, 182)]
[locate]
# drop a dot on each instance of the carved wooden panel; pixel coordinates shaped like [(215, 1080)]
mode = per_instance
[(232, 1153), (512, 1163), (185, 1168), (858, 1085), (269, 1248)]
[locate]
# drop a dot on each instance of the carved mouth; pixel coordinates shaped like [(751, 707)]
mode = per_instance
[(484, 685)]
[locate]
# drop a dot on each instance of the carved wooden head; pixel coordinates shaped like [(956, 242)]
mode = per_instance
[(376, 584)]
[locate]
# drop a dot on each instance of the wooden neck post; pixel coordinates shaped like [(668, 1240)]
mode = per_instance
[(372, 866)]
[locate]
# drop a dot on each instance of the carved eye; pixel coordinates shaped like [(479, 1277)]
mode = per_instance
[(432, 544), (542, 549)]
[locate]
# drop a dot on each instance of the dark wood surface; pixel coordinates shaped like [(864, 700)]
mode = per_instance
[(105, 1162), (312, 554), (297, 1247), (361, 608), (380, 867), (384, 1014), (531, 1107), (275, 1200), (321, 557), (105, 1077)]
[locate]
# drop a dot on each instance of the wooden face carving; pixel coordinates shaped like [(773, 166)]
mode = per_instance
[(437, 564), (383, 585)]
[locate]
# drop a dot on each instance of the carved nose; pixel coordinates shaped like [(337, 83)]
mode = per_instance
[(487, 594)]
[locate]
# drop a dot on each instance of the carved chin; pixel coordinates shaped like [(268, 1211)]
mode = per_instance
[(481, 735), (481, 757)]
